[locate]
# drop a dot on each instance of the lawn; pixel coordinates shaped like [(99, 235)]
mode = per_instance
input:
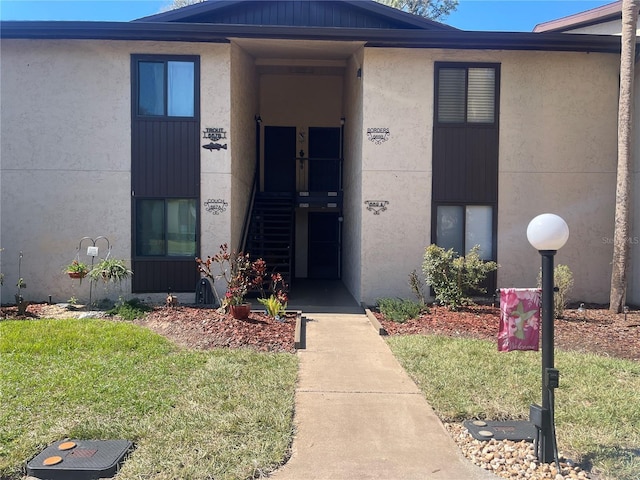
[(597, 404), (224, 414)]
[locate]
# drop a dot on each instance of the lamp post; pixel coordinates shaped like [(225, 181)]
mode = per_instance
[(547, 233)]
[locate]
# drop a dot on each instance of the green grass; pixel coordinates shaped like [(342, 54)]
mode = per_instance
[(193, 415), (597, 404)]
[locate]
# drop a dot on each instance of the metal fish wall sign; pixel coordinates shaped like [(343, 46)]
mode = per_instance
[(215, 146)]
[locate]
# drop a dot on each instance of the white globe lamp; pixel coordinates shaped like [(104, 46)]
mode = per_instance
[(547, 232)]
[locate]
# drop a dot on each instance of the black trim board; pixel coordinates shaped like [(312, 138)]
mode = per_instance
[(196, 32)]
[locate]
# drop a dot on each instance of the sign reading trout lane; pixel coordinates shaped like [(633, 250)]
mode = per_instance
[(214, 134)]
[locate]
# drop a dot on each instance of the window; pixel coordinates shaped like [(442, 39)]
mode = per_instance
[(461, 227), (166, 227), (166, 88), (466, 94)]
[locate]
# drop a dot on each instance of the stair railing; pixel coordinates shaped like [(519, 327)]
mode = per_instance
[(248, 213)]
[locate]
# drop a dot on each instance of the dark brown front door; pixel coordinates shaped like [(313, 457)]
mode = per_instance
[(279, 159), (324, 159), (324, 245)]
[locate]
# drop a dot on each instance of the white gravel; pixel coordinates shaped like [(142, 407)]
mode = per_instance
[(513, 460)]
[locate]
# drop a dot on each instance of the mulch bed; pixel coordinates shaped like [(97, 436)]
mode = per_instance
[(198, 327), (595, 330)]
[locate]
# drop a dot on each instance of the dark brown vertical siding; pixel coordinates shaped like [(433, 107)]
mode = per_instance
[(164, 276), (465, 164), (166, 162), (322, 13)]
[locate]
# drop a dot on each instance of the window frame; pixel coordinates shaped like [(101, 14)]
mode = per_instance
[(466, 66), (165, 239), (136, 59), (464, 205)]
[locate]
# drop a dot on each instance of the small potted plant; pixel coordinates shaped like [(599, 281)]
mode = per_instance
[(240, 274), (77, 269)]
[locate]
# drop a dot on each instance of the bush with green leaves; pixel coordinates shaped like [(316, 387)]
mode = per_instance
[(130, 310), (454, 278), (398, 309), (563, 281)]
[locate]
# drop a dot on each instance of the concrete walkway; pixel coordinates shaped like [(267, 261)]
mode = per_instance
[(358, 414)]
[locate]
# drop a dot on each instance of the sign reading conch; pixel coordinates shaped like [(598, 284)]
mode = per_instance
[(216, 205)]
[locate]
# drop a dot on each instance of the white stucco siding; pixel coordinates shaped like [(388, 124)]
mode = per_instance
[(65, 159), (66, 152), (215, 165), (613, 27), (633, 289), (557, 151), (352, 178), (398, 95), (244, 98), (558, 154)]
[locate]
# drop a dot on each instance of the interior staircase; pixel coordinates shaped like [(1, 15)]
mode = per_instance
[(271, 233)]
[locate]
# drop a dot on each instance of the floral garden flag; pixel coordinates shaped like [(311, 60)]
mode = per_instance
[(519, 319)]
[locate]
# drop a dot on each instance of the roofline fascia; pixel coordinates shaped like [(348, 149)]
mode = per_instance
[(195, 32), (602, 14)]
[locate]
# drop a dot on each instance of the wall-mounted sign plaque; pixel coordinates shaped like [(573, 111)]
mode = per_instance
[(216, 206), (376, 206), (214, 146), (378, 135), (214, 134)]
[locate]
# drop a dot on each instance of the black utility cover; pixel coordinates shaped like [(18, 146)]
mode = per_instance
[(88, 460), (515, 430)]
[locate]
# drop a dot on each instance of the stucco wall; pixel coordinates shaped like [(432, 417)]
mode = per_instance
[(244, 97), (557, 154), (633, 288), (398, 95), (352, 178), (606, 28), (558, 147), (66, 153)]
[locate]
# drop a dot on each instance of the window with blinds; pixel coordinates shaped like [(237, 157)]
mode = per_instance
[(466, 94)]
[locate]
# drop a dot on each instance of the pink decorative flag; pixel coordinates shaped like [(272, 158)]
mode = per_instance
[(519, 319)]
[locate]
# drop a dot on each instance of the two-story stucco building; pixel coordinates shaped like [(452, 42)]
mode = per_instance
[(335, 138)]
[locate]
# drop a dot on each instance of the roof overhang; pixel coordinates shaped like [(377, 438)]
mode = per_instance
[(605, 13), (213, 33)]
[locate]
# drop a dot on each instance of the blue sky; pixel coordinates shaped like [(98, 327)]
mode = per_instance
[(495, 15)]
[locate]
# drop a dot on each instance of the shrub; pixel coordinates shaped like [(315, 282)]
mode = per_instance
[(398, 309), (130, 310), (417, 287), (452, 277), (563, 281)]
